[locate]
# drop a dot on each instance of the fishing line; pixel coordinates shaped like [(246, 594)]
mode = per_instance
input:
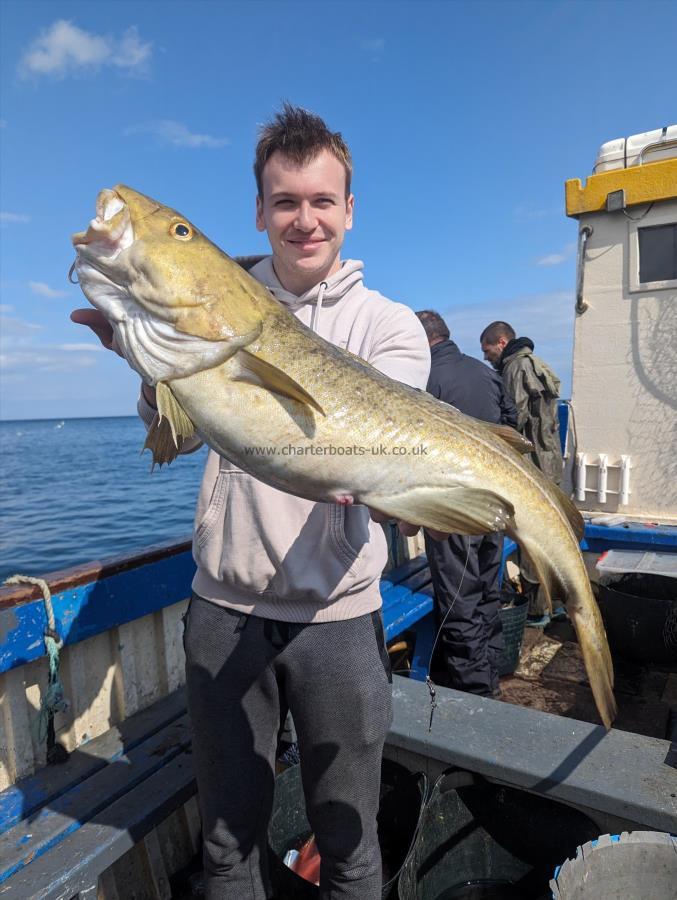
[(428, 680)]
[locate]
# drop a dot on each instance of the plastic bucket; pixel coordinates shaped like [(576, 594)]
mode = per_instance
[(637, 865), (513, 620), (640, 617), (401, 804), (486, 841)]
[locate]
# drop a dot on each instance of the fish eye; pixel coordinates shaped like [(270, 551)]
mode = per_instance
[(181, 231)]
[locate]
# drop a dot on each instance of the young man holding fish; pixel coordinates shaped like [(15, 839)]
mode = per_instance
[(285, 613)]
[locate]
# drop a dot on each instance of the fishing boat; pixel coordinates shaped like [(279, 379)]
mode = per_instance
[(97, 795)]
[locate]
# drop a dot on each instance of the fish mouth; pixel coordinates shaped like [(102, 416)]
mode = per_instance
[(109, 232)]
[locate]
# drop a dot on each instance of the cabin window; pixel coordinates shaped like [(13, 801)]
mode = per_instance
[(657, 253)]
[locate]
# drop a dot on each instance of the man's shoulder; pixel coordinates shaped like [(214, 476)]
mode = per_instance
[(477, 369), (378, 311)]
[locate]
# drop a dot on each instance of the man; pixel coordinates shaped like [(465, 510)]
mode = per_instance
[(285, 612), (465, 569), (535, 390)]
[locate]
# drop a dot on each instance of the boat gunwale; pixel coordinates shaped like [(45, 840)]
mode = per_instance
[(93, 571)]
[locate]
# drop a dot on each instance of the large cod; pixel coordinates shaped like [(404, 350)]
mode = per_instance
[(235, 368)]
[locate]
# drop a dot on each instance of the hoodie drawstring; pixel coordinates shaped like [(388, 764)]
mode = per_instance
[(317, 309)]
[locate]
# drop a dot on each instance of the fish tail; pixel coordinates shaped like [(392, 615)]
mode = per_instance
[(601, 676), (587, 620)]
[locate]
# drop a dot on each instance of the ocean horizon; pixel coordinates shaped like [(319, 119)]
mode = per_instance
[(77, 489)]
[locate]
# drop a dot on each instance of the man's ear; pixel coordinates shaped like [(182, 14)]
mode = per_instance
[(260, 219), (350, 206)]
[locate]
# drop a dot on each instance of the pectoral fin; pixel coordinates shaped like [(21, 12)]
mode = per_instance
[(257, 370), (456, 509), (169, 429)]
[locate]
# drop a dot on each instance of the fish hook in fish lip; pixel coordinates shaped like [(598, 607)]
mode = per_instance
[(70, 272)]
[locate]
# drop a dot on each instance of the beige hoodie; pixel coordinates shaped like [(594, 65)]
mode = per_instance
[(268, 553)]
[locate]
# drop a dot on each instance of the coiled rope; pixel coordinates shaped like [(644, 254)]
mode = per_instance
[(53, 700)]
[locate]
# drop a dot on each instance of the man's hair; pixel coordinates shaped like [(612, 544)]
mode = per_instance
[(434, 324), (300, 136), (497, 330)]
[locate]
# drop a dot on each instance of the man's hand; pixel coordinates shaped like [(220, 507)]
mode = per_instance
[(98, 323), (406, 528)]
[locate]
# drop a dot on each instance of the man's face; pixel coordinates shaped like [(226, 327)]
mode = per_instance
[(492, 352), (306, 214)]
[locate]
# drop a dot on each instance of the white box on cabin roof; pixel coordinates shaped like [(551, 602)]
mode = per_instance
[(622, 153)]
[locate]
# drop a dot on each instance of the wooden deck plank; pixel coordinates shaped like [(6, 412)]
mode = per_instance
[(31, 838), (100, 842), (30, 794)]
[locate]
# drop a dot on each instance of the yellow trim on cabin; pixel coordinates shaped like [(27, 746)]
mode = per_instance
[(642, 184)]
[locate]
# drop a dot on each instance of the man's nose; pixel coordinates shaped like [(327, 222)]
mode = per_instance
[(306, 220)]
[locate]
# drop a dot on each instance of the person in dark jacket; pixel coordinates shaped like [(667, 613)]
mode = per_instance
[(465, 568)]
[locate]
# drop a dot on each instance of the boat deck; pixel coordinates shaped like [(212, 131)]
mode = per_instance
[(551, 678)]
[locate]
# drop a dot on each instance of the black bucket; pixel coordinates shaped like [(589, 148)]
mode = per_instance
[(401, 804), (487, 841), (514, 610), (640, 617)]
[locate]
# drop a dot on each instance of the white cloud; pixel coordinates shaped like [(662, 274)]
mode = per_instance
[(176, 134), (555, 259), (12, 327), (76, 348), (10, 218), (23, 352), (374, 46), (44, 290), (6, 308), (529, 212), (47, 359), (64, 49)]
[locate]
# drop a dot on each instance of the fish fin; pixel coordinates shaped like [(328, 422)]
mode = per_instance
[(275, 380), (510, 436), (169, 429), (587, 620), (456, 508)]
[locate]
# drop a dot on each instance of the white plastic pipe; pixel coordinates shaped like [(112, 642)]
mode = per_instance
[(581, 471), (626, 465), (602, 474)]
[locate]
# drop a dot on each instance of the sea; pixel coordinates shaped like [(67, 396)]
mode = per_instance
[(76, 490)]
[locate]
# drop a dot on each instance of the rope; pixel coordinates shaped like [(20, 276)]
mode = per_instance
[(53, 700)]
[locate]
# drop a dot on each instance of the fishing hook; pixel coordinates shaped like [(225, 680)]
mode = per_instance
[(70, 272)]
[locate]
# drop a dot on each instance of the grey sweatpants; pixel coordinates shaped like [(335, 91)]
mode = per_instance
[(243, 674)]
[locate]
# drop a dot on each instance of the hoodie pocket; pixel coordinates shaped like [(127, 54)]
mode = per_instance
[(258, 540)]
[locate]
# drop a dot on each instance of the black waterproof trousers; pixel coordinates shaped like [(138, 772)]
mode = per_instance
[(243, 674), (465, 572)]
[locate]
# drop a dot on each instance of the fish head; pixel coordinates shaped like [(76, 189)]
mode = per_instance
[(176, 302)]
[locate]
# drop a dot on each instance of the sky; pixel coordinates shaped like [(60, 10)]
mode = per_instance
[(464, 121)]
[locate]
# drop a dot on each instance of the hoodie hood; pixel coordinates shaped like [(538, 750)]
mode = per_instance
[(336, 286), (513, 347)]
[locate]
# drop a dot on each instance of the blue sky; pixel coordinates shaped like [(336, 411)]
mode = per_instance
[(464, 120)]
